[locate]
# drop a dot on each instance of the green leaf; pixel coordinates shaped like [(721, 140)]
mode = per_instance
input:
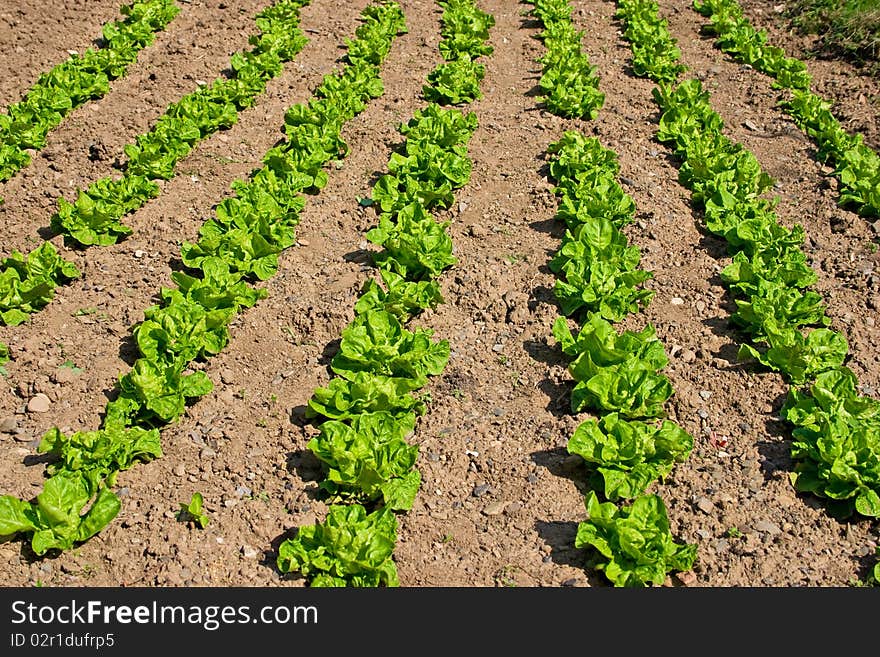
[(635, 546), (369, 458), (350, 548), (192, 512)]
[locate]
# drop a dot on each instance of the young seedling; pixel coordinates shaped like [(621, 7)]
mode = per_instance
[(193, 512)]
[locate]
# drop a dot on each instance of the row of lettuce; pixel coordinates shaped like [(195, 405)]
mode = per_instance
[(370, 407), (28, 282), (25, 125), (630, 446), (836, 431), (190, 324), (856, 165)]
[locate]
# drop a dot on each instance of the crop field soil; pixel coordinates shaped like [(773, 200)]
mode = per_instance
[(501, 497)]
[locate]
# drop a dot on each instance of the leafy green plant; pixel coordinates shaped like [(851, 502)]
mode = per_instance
[(75, 503), (633, 544), (617, 373), (568, 81), (27, 283), (193, 512), (4, 358), (369, 459), (630, 455), (82, 77), (836, 443), (835, 430), (95, 216), (856, 166), (350, 548), (465, 34)]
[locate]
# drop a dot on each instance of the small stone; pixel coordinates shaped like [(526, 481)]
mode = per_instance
[(138, 253), (705, 394), (686, 578), (688, 356), (676, 301), (249, 552), (179, 470), (495, 508), (8, 424), (767, 527), (705, 505), (480, 490), (751, 126), (39, 403), (227, 376)]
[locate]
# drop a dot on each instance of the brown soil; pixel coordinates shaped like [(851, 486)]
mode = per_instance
[(501, 498)]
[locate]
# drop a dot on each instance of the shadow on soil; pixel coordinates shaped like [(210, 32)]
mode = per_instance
[(560, 535), (307, 467), (558, 462)]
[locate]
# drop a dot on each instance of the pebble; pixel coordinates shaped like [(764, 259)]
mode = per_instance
[(495, 508), (688, 356), (480, 490), (705, 505), (227, 376), (676, 301), (249, 552), (8, 424), (767, 527), (39, 403), (705, 394), (686, 578), (179, 470)]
